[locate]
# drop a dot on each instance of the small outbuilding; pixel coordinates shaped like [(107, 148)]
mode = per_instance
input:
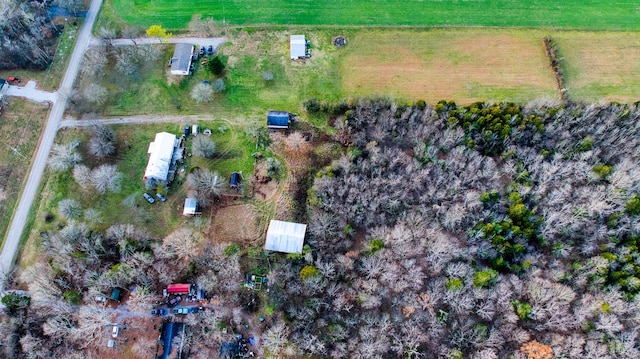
[(190, 207), (278, 120), (234, 181), (286, 237), (181, 60), (297, 47), (116, 294)]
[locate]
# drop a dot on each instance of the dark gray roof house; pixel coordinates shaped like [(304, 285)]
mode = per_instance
[(278, 120), (181, 60)]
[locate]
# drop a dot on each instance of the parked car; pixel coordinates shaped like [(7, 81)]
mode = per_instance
[(195, 309), (180, 310), (14, 80), (101, 299), (202, 50), (148, 198), (210, 50), (175, 301), (115, 331), (159, 312), (161, 197)]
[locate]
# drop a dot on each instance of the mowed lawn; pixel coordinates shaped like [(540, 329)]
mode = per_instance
[(601, 66), (461, 65), (575, 14)]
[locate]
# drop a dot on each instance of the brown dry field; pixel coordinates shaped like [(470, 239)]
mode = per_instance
[(601, 66), (464, 65), (235, 223)]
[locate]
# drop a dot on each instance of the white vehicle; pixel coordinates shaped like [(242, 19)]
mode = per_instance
[(115, 331)]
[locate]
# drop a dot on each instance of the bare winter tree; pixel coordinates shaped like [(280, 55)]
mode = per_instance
[(131, 33), (202, 93), (106, 178), (207, 182), (219, 86), (181, 244), (64, 156), (203, 146), (94, 61), (127, 60), (82, 175), (203, 26), (70, 208), (95, 94), (103, 142)]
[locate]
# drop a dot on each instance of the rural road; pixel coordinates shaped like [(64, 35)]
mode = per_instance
[(21, 213), (200, 41)]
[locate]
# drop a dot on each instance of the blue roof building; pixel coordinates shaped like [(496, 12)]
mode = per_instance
[(278, 120)]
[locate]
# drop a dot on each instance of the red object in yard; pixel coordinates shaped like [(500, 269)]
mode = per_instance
[(178, 288), (13, 79)]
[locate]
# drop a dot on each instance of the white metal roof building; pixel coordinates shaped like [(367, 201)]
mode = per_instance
[(190, 207), (297, 46), (287, 237), (160, 156)]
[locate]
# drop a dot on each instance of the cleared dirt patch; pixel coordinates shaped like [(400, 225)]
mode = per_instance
[(463, 65), (235, 223), (603, 65)]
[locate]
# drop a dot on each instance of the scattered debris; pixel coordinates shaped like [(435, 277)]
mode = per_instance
[(339, 41)]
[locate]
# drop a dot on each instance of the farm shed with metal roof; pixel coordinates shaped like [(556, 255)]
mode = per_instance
[(287, 237)]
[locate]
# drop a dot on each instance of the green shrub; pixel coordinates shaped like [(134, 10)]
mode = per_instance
[(14, 302), (490, 197), (421, 105), (375, 245), (274, 167), (633, 206), (309, 271), (585, 145), (523, 309), (312, 105), (454, 284), (483, 279), (232, 249), (215, 65), (603, 170), (72, 297)]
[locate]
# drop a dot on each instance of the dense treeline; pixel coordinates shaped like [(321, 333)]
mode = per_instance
[(484, 231), (27, 35)]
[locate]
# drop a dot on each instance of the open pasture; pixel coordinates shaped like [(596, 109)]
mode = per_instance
[(600, 66), (462, 65), (574, 14)]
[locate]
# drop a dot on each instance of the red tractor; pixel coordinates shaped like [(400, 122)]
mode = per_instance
[(13, 80)]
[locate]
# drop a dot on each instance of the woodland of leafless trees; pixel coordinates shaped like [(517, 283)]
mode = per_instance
[(486, 231), (423, 246), (27, 35)]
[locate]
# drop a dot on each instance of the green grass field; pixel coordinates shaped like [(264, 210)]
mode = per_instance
[(576, 14)]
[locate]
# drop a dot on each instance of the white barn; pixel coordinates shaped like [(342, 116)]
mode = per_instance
[(161, 155), (297, 46), (287, 237)]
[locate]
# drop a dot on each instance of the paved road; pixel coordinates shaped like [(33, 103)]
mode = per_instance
[(200, 41), (32, 93), (46, 142)]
